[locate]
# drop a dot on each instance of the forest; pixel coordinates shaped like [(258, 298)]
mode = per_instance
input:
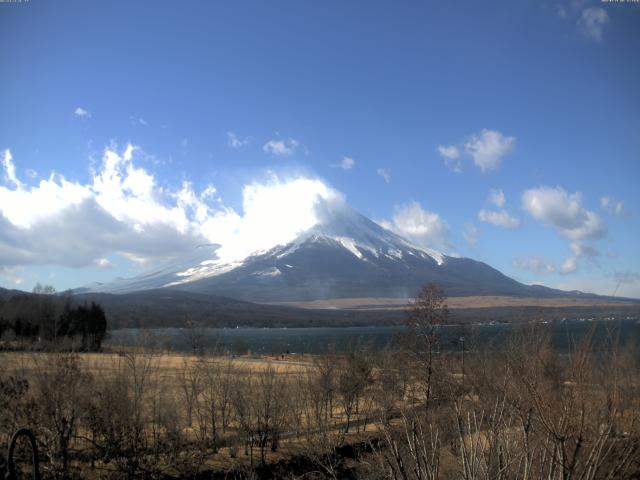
[(43, 320)]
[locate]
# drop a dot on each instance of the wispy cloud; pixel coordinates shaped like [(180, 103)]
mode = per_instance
[(500, 217), (14, 275), (347, 163), (103, 263), (496, 196), (82, 113), (10, 169), (283, 147), (592, 22), (486, 149), (451, 155), (535, 264), (614, 207), (236, 141), (138, 121), (385, 173)]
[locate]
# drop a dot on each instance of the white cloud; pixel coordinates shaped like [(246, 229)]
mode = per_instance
[(138, 121), (236, 141), (535, 264), (496, 196), (583, 250), (282, 148), (12, 275), (565, 214), (10, 169), (31, 173), (422, 227), (569, 265), (103, 263), (385, 173), (82, 113), (451, 155), (124, 210), (449, 151), (498, 218), (274, 212), (592, 22), (121, 210), (614, 207), (347, 163), (488, 147)]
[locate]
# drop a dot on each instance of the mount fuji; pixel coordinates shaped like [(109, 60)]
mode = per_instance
[(344, 255)]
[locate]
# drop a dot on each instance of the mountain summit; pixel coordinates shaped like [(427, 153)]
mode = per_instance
[(345, 255)]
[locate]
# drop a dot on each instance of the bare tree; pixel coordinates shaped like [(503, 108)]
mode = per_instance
[(355, 374), (61, 386), (427, 311), (190, 381)]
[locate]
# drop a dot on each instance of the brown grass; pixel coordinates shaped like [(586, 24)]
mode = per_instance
[(371, 303)]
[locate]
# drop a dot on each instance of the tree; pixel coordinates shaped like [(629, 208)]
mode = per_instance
[(354, 376), (427, 311), (97, 327), (45, 311)]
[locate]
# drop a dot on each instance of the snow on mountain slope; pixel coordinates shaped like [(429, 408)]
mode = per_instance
[(189, 264)]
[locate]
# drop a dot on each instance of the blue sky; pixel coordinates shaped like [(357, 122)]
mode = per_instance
[(507, 131)]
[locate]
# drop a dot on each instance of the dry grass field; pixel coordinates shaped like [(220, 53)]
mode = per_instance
[(523, 409), (489, 301)]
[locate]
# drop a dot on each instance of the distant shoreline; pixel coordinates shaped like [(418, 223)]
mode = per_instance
[(477, 301)]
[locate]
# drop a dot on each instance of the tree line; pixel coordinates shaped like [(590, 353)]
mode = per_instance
[(45, 319)]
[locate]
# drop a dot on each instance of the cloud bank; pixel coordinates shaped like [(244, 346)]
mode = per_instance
[(124, 210)]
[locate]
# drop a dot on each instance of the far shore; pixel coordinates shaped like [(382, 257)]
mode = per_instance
[(491, 301)]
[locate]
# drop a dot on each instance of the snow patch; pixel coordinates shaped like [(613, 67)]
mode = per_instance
[(269, 272), (350, 245)]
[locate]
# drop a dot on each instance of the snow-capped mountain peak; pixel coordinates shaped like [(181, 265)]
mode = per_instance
[(343, 255), (359, 235)]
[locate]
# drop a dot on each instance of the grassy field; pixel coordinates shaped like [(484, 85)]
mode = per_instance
[(136, 413), (170, 380), (488, 301)]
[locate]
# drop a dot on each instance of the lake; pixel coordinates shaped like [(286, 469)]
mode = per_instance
[(267, 341)]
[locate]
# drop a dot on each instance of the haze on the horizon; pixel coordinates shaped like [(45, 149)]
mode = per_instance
[(133, 131)]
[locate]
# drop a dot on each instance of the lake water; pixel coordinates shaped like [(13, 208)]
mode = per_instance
[(269, 341)]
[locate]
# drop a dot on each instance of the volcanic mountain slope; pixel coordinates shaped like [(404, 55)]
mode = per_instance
[(347, 255), (344, 255)]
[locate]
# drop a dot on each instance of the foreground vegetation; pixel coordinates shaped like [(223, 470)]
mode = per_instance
[(523, 412)]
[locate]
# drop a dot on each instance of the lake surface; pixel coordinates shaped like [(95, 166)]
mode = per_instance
[(269, 341)]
